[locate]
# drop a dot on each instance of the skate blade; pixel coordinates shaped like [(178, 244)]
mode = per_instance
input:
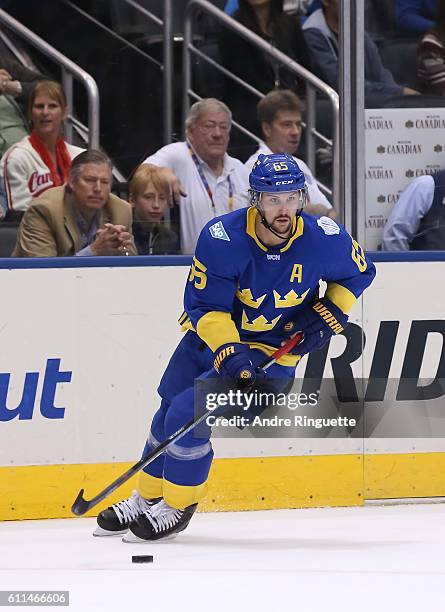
[(130, 538), (101, 533)]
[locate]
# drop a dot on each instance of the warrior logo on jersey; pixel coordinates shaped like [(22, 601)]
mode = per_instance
[(217, 231), (328, 225)]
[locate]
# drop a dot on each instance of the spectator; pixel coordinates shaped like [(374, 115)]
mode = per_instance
[(321, 33), (202, 177), (15, 83), (431, 57), (280, 116), (266, 19), (16, 80), (415, 17), (81, 218), (13, 126), (150, 196), (41, 160), (417, 221)]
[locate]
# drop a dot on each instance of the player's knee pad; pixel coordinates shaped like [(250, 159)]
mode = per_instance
[(189, 453)]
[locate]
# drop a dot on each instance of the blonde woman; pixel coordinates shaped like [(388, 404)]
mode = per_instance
[(42, 159)]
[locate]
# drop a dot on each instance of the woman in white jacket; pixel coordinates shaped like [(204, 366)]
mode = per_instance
[(42, 159)]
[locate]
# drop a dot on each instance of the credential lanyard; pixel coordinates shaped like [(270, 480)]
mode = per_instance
[(206, 183)]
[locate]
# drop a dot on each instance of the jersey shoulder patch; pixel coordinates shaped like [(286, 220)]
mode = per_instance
[(218, 231), (328, 225)]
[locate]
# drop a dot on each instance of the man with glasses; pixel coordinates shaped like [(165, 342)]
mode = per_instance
[(204, 180), (81, 218)]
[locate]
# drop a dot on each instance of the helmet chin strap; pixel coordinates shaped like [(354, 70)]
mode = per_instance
[(268, 226)]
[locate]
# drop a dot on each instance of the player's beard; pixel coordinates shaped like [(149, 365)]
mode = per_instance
[(282, 229)]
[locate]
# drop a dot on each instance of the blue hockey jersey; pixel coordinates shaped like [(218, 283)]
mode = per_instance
[(240, 290)]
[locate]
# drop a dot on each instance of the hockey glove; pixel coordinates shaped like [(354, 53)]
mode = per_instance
[(319, 323), (233, 361)]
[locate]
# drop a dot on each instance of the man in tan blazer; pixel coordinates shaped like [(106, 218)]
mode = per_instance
[(80, 218)]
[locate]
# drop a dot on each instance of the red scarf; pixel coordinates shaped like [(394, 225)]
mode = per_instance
[(62, 156)]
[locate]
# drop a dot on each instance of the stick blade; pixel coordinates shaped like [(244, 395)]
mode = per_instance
[(80, 505)]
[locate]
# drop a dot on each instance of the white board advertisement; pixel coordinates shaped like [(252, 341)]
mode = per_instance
[(401, 144), (83, 351)]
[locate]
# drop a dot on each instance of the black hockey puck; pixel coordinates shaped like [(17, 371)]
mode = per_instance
[(142, 559)]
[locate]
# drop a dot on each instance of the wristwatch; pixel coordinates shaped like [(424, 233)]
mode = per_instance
[(19, 88)]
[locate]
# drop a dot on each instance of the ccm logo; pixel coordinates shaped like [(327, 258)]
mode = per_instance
[(284, 182)]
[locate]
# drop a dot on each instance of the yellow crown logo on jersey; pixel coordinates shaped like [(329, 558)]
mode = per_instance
[(245, 296), (260, 324), (289, 300)]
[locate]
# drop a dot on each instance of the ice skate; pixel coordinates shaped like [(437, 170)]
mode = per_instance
[(116, 519), (159, 522)]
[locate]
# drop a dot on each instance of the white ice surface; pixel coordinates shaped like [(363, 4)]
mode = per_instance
[(336, 559)]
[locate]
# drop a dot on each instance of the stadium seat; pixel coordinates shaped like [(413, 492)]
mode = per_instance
[(8, 235), (399, 57)]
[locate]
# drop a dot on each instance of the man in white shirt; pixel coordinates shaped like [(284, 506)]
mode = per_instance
[(280, 116), (417, 221), (204, 180)]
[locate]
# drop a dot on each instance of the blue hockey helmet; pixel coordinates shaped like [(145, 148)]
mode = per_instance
[(276, 173)]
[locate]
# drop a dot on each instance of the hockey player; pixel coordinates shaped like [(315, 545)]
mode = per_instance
[(253, 283)]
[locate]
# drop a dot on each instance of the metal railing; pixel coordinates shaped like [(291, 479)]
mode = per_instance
[(69, 70), (16, 52), (166, 67), (313, 84), (73, 124)]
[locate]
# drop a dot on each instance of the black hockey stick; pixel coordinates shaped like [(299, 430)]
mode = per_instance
[(82, 505)]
